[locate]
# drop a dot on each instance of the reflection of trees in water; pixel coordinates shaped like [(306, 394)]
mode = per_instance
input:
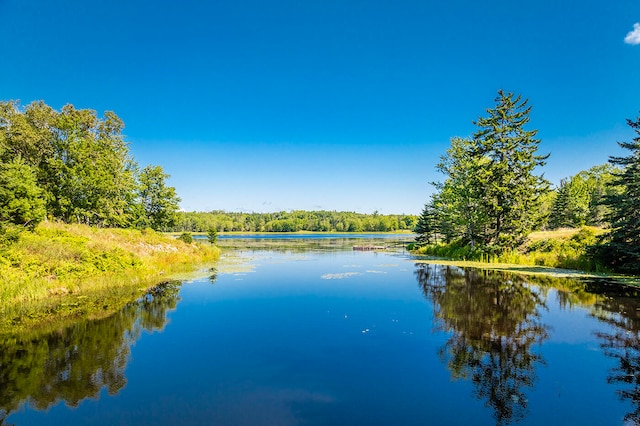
[(494, 324), (214, 275), (570, 292), (76, 363), (620, 308)]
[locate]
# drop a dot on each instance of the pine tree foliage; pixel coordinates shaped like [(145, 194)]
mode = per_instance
[(622, 250), (511, 189), (426, 228), (491, 195), (461, 194), (561, 215), (20, 197)]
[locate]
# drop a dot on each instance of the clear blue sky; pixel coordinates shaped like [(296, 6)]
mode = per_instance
[(334, 104)]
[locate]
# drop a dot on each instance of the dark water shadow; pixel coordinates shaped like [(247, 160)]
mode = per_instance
[(618, 306)]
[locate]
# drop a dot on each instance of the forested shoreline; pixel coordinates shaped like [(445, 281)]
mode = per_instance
[(294, 221), (78, 217), (74, 167), (495, 194)]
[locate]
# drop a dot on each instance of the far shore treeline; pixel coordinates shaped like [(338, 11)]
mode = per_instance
[(313, 221), (72, 166)]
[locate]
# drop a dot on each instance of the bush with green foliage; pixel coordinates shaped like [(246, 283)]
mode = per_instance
[(186, 237), (212, 235), (21, 201)]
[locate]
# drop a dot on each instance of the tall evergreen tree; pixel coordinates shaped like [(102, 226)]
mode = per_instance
[(511, 189), (622, 251), (21, 202), (426, 228), (561, 210), (491, 195)]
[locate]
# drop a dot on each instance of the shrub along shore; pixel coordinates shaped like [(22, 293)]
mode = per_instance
[(60, 272)]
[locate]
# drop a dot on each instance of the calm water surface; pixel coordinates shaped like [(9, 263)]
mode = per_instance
[(313, 332)]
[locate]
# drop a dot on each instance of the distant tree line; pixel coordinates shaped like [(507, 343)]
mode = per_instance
[(73, 166), (315, 221), (494, 193)]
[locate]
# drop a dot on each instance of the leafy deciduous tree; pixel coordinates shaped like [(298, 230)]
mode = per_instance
[(159, 202), (580, 198)]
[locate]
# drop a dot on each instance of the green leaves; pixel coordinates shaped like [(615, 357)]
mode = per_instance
[(77, 166), (93, 169), (296, 220), (212, 235), (159, 202), (580, 199)]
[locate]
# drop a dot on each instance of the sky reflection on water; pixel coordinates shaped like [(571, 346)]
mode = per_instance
[(339, 337)]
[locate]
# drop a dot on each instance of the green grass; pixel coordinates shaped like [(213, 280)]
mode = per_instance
[(62, 271), (565, 249)]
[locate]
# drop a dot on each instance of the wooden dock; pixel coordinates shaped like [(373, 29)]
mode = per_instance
[(369, 248)]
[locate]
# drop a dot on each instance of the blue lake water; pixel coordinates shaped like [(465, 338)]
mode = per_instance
[(324, 335)]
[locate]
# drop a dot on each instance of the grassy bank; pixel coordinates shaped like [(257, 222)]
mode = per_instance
[(564, 248), (62, 271), (560, 253)]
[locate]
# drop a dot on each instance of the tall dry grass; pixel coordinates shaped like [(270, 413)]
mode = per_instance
[(61, 267), (564, 248)]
